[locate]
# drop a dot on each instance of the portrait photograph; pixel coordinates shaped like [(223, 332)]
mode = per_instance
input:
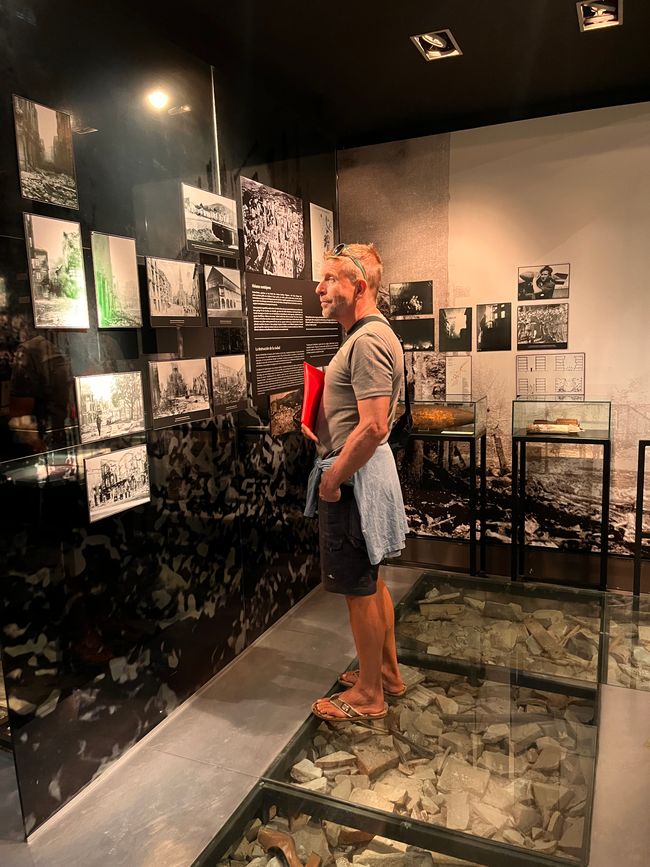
[(321, 230), (115, 269), (109, 405), (210, 222), (174, 292), (455, 329), (45, 155), (411, 299), (540, 282), (56, 272), (543, 326), (274, 241), (179, 391), (229, 383), (416, 333), (117, 481), (494, 327), (223, 296)]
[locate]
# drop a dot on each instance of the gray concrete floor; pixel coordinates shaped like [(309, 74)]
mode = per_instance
[(168, 797)]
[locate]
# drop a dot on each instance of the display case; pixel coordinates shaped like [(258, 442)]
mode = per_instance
[(453, 416), (577, 419)]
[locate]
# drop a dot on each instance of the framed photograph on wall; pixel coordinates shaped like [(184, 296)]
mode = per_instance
[(321, 231), (494, 327), (426, 375), (56, 272), (542, 326), (274, 241), (117, 481), (109, 405), (45, 154), (416, 333), (179, 391), (411, 299), (174, 292), (229, 384), (284, 412), (223, 297), (115, 268), (210, 222), (541, 282), (455, 329)]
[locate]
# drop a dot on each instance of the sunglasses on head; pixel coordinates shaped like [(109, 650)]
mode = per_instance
[(339, 250)]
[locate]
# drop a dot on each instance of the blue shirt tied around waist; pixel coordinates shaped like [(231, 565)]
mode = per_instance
[(379, 500)]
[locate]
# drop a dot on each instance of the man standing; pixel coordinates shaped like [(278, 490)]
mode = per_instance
[(354, 483)]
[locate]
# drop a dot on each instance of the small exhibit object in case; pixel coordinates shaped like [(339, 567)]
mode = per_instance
[(109, 405), (210, 222), (582, 419), (229, 384), (117, 481), (115, 269), (451, 416), (56, 272), (179, 391), (174, 292)]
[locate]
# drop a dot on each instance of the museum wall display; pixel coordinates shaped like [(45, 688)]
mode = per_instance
[(151, 533), (470, 211)]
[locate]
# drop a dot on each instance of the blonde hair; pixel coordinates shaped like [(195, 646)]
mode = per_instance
[(370, 259)]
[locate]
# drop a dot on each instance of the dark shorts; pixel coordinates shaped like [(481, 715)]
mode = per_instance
[(344, 563)]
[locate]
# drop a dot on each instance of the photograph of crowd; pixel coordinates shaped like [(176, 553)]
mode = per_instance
[(543, 326), (210, 221), (229, 385), (426, 375), (174, 294), (415, 333), (284, 412), (411, 299), (56, 272), (455, 329), (539, 282), (179, 390), (321, 228), (494, 327), (115, 268), (273, 231), (45, 156), (109, 405), (117, 481)]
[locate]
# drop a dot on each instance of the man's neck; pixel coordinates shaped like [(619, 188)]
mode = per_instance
[(360, 313)]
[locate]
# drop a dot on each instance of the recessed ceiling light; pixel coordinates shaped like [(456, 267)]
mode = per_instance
[(596, 16), (436, 45), (157, 99)]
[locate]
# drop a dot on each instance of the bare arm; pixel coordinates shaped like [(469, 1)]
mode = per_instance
[(359, 447)]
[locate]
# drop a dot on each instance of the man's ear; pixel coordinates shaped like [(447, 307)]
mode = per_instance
[(361, 287)]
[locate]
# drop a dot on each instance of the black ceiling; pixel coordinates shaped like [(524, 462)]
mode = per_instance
[(355, 64)]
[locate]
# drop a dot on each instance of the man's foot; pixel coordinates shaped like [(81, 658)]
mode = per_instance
[(338, 709), (392, 689)]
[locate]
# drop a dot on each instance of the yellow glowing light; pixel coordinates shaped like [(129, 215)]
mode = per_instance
[(157, 99)]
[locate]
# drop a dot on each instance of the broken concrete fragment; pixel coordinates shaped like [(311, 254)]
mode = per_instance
[(395, 794), (555, 825), (342, 790), (305, 771), (318, 785), (458, 811), (458, 742), (459, 776), (523, 736), (446, 705), (372, 762), (510, 835), (496, 763), (496, 733), (370, 798), (427, 723), (502, 610), (549, 759), (495, 818), (339, 759), (525, 818), (434, 611), (551, 796)]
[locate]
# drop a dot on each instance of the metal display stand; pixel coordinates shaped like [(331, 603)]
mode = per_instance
[(476, 503), (518, 543), (639, 535)]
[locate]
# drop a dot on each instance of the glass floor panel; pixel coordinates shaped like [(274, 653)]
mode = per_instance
[(627, 626)]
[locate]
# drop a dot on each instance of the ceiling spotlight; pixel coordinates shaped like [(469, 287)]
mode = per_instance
[(595, 16), (157, 99), (436, 45)]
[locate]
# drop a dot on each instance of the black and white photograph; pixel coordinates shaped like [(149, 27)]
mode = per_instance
[(45, 155), (494, 327), (540, 282), (543, 326), (426, 375), (455, 329), (411, 299), (56, 272), (285, 409), (321, 229), (223, 296), (416, 333), (174, 292), (274, 241), (229, 385), (179, 391), (210, 222), (115, 269), (109, 405), (117, 481)]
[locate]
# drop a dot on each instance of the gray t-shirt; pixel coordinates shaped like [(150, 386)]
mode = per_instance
[(368, 364)]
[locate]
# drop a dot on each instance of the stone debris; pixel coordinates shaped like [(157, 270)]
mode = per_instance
[(459, 776), (339, 759), (371, 798), (373, 762), (305, 771)]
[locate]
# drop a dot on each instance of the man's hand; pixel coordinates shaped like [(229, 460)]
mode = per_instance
[(306, 432), (329, 490)]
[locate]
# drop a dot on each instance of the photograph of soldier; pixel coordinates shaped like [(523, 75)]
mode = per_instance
[(415, 333), (273, 230), (455, 329), (117, 481), (539, 282), (494, 327), (45, 157), (411, 299), (543, 326)]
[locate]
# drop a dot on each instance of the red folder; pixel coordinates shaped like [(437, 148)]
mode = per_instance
[(314, 384)]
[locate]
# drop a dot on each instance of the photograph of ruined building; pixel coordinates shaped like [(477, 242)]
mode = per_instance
[(109, 405), (179, 391), (174, 292), (115, 268)]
